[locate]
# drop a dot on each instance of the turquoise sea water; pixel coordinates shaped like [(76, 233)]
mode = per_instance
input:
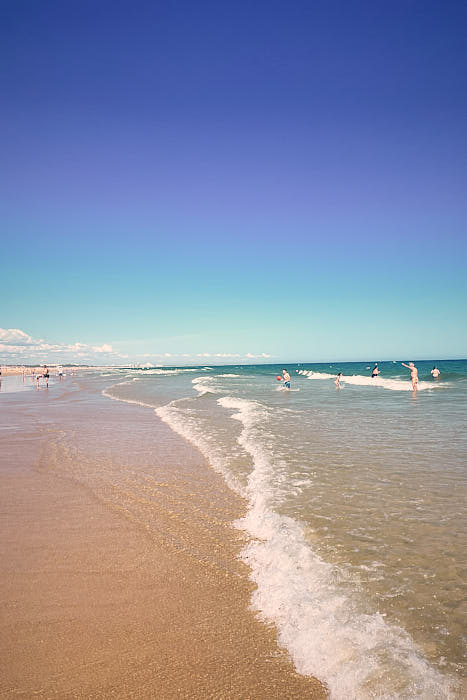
[(356, 513)]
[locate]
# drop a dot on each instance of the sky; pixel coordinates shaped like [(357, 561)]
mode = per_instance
[(205, 182)]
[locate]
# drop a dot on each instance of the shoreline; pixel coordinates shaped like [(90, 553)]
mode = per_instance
[(9, 371), (129, 595)]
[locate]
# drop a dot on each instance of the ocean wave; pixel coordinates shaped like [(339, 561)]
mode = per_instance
[(323, 625), (392, 384), (108, 393), (205, 385), (315, 375), (183, 423), (381, 382), (161, 371)]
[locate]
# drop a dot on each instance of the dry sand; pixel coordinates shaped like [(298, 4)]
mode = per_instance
[(95, 605)]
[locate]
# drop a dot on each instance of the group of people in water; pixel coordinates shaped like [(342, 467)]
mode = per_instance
[(374, 373), (413, 374), (45, 375)]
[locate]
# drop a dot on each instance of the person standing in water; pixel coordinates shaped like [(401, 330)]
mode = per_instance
[(286, 377), (413, 374), (435, 372), (46, 376), (337, 380), (375, 370)]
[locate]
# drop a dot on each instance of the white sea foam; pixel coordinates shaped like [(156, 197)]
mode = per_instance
[(105, 391), (229, 375), (325, 628), (392, 384), (165, 371), (381, 382), (185, 425), (205, 385), (109, 395), (316, 375)]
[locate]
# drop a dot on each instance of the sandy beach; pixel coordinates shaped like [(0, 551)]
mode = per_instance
[(120, 576)]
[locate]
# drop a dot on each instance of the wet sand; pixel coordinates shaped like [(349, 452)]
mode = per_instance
[(126, 586)]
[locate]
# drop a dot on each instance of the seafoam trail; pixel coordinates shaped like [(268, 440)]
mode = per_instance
[(327, 632)]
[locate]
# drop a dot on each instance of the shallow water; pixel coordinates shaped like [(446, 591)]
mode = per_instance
[(10, 384), (356, 510)]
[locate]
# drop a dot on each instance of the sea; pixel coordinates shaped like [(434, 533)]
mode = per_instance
[(356, 526)]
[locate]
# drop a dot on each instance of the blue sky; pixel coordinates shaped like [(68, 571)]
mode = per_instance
[(233, 181)]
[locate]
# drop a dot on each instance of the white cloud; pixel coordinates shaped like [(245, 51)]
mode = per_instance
[(103, 348), (226, 354), (18, 346), (15, 337)]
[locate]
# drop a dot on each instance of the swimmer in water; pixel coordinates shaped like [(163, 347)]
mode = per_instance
[(413, 374), (435, 372), (375, 370), (337, 380), (286, 377)]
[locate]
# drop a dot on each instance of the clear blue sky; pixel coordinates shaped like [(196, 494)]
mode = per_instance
[(232, 178)]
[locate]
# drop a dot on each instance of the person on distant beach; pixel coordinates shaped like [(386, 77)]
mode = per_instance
[(435, 372), (413, 374), (286, 377), (45, 374), (337, 380), (375, 370), (60, 373)]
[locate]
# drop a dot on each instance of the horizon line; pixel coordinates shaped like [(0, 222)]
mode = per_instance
[(230, 364)]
